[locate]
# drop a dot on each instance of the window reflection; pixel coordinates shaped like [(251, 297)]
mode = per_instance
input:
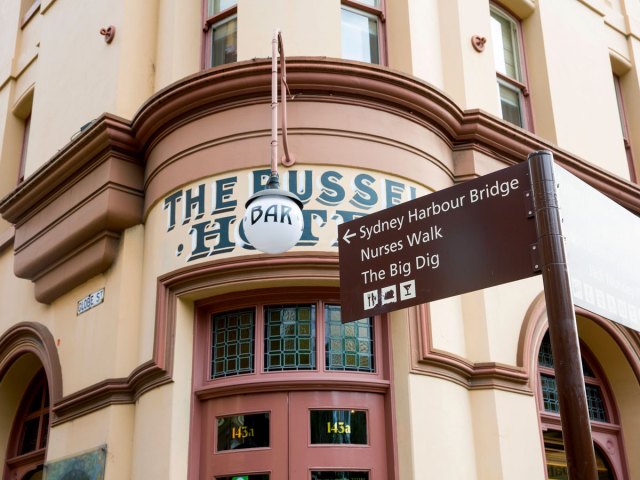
[(360, 36)]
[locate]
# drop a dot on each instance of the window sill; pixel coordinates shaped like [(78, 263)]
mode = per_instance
[(292, 381)]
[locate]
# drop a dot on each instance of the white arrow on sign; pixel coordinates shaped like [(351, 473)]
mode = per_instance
[(347, 236)]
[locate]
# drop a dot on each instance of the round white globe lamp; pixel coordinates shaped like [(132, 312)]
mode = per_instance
[(273, 219)]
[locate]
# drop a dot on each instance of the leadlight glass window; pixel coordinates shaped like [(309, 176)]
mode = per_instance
[(348, 346), (595, 403), (290, 337), (595, 398), (35, 427), (232, 345), (550, 394), (263, 338)]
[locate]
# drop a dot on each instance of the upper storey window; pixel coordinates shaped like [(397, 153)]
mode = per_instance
[(221, 32), (362, 31), (510, 72), (625, 129)]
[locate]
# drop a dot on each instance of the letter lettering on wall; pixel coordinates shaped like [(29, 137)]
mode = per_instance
[(332, 191), (223, 195), (365, 197), (171, 203), (203, 232), (304, 193), (193, 200), (209, 209)]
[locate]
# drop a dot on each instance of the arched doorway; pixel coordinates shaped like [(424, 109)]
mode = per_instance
[(30, 432), (605, 425)]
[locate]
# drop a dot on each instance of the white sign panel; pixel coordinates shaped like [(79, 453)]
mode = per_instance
[(602, 241), (92, 300)]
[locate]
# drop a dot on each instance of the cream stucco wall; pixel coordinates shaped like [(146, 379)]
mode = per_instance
[(178, 43), (469, 76), (582, 96), (308, 28), (426, 46), (91, 77), (110, 428), (163, 416), (442, 440), (105, 337), (506, 435)]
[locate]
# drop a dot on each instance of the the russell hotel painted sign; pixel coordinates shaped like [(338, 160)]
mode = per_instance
[(204, 219)]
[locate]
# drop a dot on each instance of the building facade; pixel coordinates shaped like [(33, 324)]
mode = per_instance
[(142, 336)]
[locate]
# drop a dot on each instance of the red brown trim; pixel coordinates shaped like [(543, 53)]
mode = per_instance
[(6, 237), (625, 128), (35, 338), (427, 360), (112, 391), (369, 86), (195, 282), (69, 215)]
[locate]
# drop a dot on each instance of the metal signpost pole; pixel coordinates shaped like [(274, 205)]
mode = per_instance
[(576, 427)]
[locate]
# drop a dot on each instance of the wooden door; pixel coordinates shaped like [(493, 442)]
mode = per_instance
[(246, 436), (337, 435), (305, 435)]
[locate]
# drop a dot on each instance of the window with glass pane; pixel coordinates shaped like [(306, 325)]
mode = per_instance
[(217, 6), (556, 458), (506, 52), (239, 432), (232, 343), (30, 432), (510, 103), (505, 45), (595, 397), (339, 475), (348, 346), (360, 37), (347, 427), (290, 337), (224, 40), (222, 32)]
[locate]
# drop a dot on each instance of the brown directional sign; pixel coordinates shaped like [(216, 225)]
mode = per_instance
[(467, 237)]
